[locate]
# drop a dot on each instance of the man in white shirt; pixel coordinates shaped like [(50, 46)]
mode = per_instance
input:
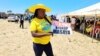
[(16, 19), (73, 21)]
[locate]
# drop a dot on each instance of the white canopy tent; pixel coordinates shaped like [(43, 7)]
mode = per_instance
[(92, 10), (86, 11)]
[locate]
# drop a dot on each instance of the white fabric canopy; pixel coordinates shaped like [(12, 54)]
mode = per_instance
[(90, 10)]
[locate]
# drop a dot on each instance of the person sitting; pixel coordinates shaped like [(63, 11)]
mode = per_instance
[(97, 32), (89, 28)]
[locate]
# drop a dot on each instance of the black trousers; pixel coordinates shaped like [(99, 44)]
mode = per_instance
[(21, 24), (39, 48)]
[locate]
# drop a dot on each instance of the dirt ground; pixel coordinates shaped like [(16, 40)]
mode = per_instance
[(18, 42)]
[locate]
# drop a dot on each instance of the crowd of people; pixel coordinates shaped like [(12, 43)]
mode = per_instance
[(80, 24), (87, 26)]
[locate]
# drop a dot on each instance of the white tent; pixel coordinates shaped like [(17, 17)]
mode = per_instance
[(86, 10), (90, 10)]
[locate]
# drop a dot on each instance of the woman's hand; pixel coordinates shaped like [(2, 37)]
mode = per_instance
[(51, 33)]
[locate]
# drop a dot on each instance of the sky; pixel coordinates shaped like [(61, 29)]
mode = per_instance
[(57, 6)]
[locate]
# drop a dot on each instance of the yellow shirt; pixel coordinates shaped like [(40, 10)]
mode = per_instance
[(40, 25), (89, 29)]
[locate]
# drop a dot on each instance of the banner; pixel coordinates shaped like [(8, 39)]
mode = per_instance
[(61, 28)]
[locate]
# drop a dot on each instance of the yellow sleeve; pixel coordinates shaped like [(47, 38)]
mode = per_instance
[(33, 26)]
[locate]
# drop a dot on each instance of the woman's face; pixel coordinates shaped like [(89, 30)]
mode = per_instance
[(41, 13)]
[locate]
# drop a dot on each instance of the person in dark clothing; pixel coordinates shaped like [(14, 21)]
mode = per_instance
[(77, 24), (53, 17), (30, 18), (68, 19), (21, 21)]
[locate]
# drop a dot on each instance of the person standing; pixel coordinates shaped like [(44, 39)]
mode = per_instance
[(68, 19), (28, 17), (22, 21), (73, 21), (40, 28), (16, 19), (77, 24)]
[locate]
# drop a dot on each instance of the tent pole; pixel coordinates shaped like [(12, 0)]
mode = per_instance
[(94, 27), (83, 24)]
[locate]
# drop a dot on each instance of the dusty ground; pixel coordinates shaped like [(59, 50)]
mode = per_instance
[(17, 42)]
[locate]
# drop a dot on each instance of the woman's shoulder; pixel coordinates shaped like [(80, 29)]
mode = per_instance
[(49, 18), (34, 19)]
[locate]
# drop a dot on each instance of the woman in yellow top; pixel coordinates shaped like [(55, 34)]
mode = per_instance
[(40, 29)]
